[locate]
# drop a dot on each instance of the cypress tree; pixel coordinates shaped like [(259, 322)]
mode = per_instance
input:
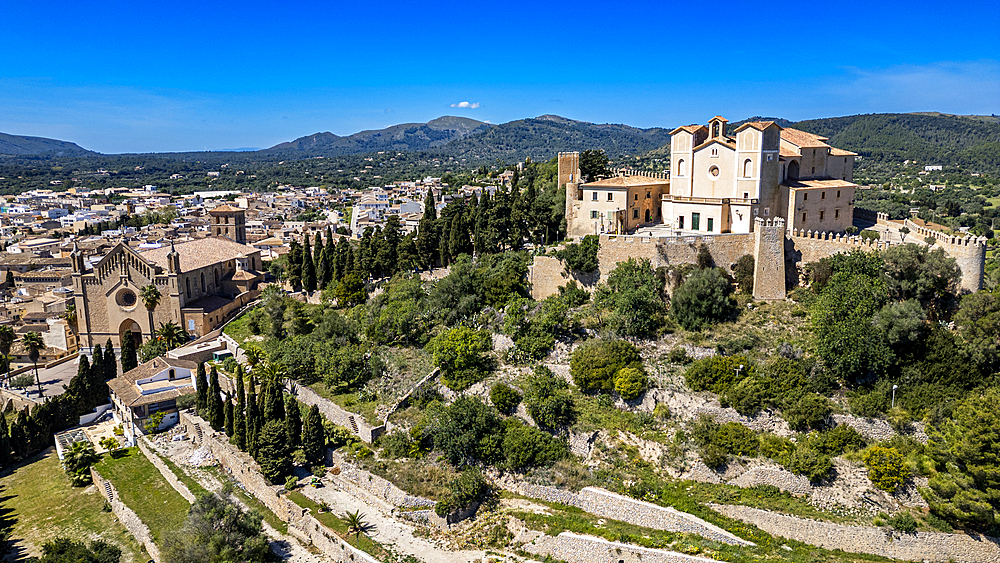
[(308, 268), (230, 423), (313, 441), (92, 387), (98, 356), (318, 260), (293, 423), (129, 359), (5, 457), (443, 242), (482, 242), (295, 265), (110, 363), (240, 417), (427, 235), (216, 412), (17, 436), (328, 258), (272, 453), (201, 383), (79, 386), (253, 418)]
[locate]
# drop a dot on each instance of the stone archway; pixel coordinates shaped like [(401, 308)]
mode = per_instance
[(793, 170), (127, 325)]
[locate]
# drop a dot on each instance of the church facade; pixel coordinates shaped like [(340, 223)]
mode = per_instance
[(720, 183), (201, 283)]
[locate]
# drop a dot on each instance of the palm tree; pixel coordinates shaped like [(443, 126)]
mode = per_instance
[(172, 335), (150, 299), (33, 344), (356, 523), (7, 338)]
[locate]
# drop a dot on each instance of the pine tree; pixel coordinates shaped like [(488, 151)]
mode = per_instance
[(240, 417), (201, 384), (293, 423), (313, 440), (5, 453), (130, 360), (230, 422), (272, 452), (308, 267), (110, 362), (216, 412)]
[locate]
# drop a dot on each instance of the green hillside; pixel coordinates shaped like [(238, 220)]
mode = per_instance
[(403, 137), (970, 141), (20, 145), (543, 137)]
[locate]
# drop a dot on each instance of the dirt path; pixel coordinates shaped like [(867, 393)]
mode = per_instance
[(389, 531)]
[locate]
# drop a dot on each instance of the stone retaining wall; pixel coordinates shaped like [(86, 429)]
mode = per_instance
[(875, 429), (578, 548), (640, 513), (309, 530), (379, 487), (126, 515), (920, 546), (239, 464), (353, 422), (169, 475), (541, 492)]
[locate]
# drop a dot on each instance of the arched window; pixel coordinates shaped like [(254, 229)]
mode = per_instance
[(203, 282), (188, 282), (681, 167), (747, 168), (216, 277)]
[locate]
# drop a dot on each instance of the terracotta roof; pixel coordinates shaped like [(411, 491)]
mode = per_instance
[(760, 125), (124, 387), (726, 142), (689, 128), (841, 152), (626, 182), (273, 241), (720, 118), (802, 139), (208, 303), (226, 209), (785, 151), (827, 184), (200, 253), (245, 275)]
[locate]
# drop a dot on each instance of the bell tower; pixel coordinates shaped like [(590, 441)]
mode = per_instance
[(229, 222)]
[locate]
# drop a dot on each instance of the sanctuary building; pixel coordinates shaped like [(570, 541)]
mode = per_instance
[(719, 183)]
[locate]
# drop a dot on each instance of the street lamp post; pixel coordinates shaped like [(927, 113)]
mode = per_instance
[(894, 387), (738, 371)]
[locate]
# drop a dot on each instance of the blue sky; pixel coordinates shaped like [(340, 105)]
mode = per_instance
[(132, 76)]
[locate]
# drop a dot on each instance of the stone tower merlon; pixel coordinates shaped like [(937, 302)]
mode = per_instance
[(769, 259)]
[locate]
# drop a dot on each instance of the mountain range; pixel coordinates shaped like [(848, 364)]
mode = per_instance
[(928, 137)]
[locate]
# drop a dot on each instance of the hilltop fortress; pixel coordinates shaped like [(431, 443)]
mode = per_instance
[(782, 195)]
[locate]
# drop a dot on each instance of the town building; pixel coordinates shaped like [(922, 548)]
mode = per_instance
[(148, 389)]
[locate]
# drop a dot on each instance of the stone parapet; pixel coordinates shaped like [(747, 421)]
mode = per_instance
[(125, 515), (353, 422), (167, 473), (919, 546)]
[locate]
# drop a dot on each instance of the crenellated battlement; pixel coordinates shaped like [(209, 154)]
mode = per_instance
[(762, 222), (642, 173), (953, 240)]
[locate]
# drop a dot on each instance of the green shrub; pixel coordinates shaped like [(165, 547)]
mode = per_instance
[(869, 404), (547, 399), (743, 274), (718, 373), (595, 363), (291, 482), (778, 448), (461, 354), (469, 487), (904, 522), (504, 397), (630, 382), (661, 411), (678, 356), (811, 411), (810, 463), (886, 467), (702, 299), (751, 395), (395, 445), (581, 257), (938, 523), (713, 456), (737, 439), (840, 439), (524, 446)]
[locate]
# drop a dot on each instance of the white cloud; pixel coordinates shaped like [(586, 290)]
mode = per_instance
[(467, 105)]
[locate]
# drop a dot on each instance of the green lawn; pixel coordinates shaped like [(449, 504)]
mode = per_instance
[(349, 402), (38, 498), (333, 521), (141, 486)]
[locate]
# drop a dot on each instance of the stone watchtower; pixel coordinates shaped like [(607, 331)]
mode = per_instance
[(568, 178), (229, 222), (769, 259)]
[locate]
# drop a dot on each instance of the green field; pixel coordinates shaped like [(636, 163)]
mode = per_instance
[(39, 500), (141, 486)]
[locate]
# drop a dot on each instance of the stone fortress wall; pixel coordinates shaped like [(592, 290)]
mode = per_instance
[(778, 253)]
